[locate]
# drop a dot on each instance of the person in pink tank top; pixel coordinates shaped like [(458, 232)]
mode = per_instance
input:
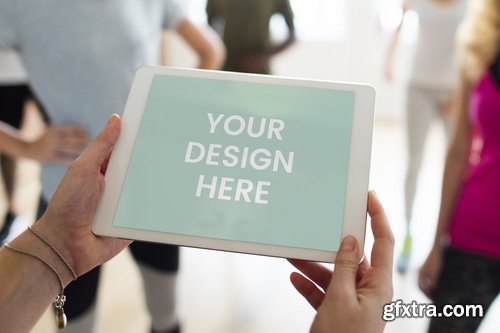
[(463, 267)]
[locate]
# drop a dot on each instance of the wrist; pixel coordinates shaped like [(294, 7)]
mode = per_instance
[(56, 249), (440, 242)]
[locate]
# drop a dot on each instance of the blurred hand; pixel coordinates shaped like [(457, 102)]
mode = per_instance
[(429, 272), (351, 299), (67, 220), (59, 144)]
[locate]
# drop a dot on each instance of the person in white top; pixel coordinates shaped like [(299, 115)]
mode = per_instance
[(14, 93), (433, 77)]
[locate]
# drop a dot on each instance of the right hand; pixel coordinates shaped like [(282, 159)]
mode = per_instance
[(429, 272), (59, 144), (351, 298)]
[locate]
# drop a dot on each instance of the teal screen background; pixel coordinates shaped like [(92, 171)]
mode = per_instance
[(305, 207)]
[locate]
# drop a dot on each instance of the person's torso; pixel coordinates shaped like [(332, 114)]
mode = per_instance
[(476, 224), (435, 62), (81, 57), (247, 24)]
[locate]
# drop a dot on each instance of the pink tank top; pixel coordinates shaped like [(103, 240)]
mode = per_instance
[(475, 225)]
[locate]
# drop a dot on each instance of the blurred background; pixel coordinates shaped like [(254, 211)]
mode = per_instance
[(340, 40)]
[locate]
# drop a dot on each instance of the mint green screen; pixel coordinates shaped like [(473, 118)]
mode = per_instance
[(300, 205)]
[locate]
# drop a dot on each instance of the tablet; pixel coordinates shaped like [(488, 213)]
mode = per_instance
[(240, 162)]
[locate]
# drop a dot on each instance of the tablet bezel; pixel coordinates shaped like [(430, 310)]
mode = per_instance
[(358, 170)]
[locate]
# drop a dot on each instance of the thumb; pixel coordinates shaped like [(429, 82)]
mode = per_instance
[(99, 150), (343, 280)]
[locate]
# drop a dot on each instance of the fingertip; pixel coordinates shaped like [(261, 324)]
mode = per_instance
[(348, 244), (114, 121), (114, 117), (294, 276), (112, 129), (374, 204)]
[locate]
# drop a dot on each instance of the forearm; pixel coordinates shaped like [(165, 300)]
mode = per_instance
[(456, 163), (211, 58), (28, 285), (455, 167), (11, 141), (205, 42)]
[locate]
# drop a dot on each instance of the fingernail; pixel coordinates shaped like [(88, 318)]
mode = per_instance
[(112, 118), (348, 244), (374, 194)]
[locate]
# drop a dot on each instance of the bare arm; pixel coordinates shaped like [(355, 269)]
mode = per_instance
[(455, 167), (11, 141), (393, 47), (205, 42), (60, 144), (66, 225), (456, 162)]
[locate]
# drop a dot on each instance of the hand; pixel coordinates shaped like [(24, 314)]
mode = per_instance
[(61, 144), (67, 220), (429, 272), (351, 299)]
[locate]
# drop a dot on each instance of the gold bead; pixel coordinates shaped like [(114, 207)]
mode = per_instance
[(61, 319)]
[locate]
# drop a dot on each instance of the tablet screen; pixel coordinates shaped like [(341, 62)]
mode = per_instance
[(254, 162)]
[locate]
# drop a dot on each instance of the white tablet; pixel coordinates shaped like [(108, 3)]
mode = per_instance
[(240, 162)]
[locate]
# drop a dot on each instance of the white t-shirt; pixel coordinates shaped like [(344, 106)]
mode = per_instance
[(11, 69), (435, 61), (81, 56)]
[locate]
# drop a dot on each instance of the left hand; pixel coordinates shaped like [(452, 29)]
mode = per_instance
[(67, 220), (351, 299)]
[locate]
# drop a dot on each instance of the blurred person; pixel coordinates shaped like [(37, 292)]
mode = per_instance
[(74, 250), (15, 93), (463, 266), (432, 82), (244, 26), (81, 58)]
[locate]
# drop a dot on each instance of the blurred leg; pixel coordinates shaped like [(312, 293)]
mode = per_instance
[(158, 264), (466, 279), (420, 112)]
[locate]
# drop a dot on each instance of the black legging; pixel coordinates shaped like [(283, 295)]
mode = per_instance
[(466, 279)]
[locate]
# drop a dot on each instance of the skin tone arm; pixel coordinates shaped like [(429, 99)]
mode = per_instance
[(351, 299), (58, 144), (393, 46), (205, 43), (65, 224), (455, 167)]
